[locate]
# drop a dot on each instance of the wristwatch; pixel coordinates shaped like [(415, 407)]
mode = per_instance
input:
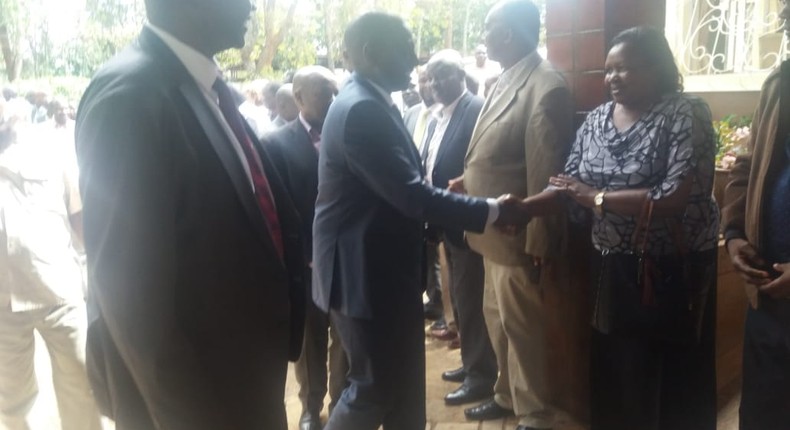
[(598, 200)]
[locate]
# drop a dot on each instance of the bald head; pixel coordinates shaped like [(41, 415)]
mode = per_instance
[(314, 88), (208, 26), (446, 76), (286, 106), (512, 30)]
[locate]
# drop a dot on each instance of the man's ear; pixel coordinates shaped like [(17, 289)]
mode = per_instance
[(369, 57), (297, 93), (508, 37)]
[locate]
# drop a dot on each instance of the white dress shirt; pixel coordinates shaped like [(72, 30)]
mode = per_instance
[(509, 74), (442, 116), (205, 72)]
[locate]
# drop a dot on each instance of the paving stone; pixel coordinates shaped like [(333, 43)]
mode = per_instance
[(493, 424), (455, 426)]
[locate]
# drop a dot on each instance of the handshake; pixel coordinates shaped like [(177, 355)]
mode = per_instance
[(513, 216)]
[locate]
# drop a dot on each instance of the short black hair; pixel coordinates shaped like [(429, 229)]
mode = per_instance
[(372, 28), (652, 47), (271, 88)]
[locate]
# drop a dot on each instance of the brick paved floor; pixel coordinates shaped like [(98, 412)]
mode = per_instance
[(441, 417)]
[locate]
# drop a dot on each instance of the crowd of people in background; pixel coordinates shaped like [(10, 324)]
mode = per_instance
[(231, 228)]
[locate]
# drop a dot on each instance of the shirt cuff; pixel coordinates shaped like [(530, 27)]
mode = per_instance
[(733, 234), (493, 211)]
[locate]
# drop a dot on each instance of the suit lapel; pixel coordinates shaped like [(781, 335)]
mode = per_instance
[(304, 144), (452, 127), (228, 157), (213, 130), (494, 107)]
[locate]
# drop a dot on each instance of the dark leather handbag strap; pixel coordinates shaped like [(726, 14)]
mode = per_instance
[(642, 227)]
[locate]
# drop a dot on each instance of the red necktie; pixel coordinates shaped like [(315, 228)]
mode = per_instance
[(262, 191)]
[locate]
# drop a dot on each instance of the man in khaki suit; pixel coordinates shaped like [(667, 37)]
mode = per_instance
[(521, 138)]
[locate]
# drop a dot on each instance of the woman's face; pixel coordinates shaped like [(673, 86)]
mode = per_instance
[(630, 81)]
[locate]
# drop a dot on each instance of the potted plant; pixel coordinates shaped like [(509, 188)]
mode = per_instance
[(732, 138)]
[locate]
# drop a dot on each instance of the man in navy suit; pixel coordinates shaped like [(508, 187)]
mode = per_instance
[(294, 151), (443, 154), (194, 248), (367, 236)]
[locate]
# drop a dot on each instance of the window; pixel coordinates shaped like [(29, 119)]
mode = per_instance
[(725, 45)]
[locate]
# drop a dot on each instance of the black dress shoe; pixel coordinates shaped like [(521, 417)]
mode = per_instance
[(467, 394), (455, 375), (310, 421), (520, 427), (432, 313), (489, 410)]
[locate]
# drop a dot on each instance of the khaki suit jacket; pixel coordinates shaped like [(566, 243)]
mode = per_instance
[(522, 138), (753, 172)]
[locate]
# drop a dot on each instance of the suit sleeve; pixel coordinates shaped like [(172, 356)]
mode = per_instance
[(131, 195), (549, 134), (734, 205), (376, 154)]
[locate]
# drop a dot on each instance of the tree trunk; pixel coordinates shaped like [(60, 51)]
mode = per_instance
[(330, 42), (465, 46), (418, 48), (273, 38), (448, 35), (13, 65)]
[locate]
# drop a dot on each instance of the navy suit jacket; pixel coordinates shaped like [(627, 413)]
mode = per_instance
[(372, 203), (197, 313), (296, 159), (449, 162)]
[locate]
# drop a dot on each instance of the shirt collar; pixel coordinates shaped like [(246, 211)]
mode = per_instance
[(305, 124), (203, 69), (443, 112), (509, 74)]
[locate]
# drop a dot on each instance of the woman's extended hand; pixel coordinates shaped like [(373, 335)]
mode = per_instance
[(582, 193)]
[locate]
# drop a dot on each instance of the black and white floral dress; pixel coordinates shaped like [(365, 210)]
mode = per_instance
[(673, 139)]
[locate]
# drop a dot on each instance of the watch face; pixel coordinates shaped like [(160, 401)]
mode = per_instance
[(599, 199)]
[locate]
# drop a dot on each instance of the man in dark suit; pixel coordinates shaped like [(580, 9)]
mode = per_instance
[(294, 151), (194, 248), (443, 154), (367, 235)]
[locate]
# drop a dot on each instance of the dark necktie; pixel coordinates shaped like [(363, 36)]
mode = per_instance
[(263, 193), (315, 136), (426, 146)]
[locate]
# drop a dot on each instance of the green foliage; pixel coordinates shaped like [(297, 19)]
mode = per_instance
[(732, 136), (69, 88), (274, 44)]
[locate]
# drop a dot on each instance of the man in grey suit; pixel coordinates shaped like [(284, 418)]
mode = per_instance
[(372, 203), (443, 154)]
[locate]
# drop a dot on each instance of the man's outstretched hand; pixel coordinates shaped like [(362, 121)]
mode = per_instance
[(512, 218)]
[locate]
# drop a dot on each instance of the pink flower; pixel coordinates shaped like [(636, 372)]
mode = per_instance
[(727, 161)]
